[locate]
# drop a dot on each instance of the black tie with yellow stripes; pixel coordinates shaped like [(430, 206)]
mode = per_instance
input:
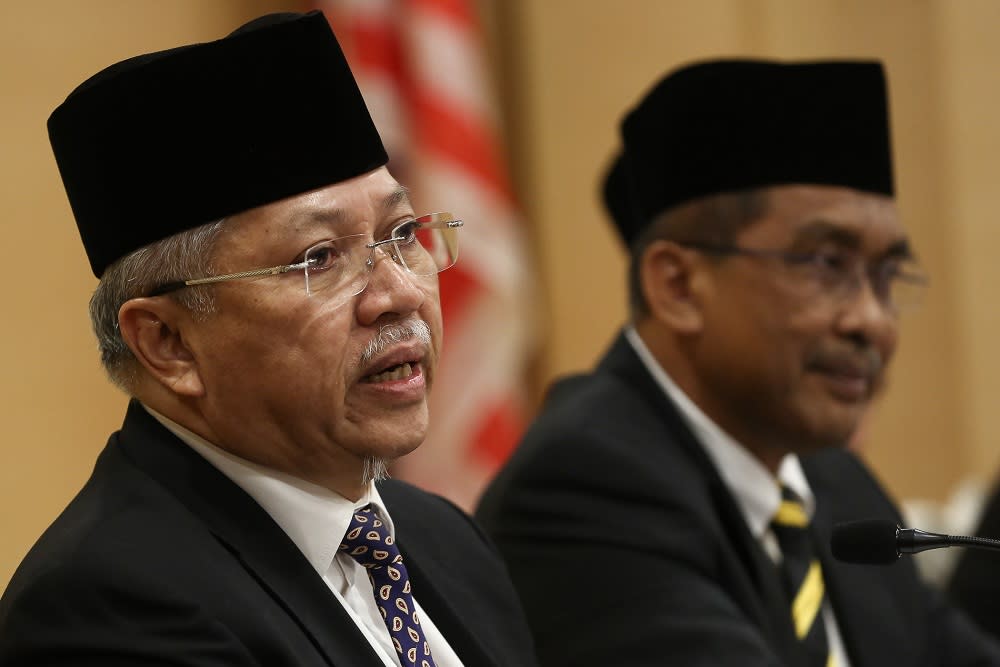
[(803, 577)]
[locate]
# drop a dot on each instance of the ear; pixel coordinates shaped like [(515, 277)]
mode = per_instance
[(668, 277), (151, 327)]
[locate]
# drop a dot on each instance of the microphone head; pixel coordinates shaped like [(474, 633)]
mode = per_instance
[(868, 541)]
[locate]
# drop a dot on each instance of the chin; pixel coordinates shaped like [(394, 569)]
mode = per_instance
[(834, 421), (407, 448), (834, 433), (396, 444), (822, 431)]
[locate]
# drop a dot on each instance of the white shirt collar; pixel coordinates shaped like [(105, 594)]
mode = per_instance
[(756, 491), (314, 517)]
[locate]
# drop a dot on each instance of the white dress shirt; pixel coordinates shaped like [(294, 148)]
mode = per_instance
[(316, 519), (756, 491)]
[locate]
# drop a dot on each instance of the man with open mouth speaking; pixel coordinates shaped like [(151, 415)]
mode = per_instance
[(269, 300)]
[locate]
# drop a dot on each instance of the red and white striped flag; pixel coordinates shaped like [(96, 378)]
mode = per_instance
[(421, 67)]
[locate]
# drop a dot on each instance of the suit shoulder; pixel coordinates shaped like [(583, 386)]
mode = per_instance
[(602, 435), (602, 415)]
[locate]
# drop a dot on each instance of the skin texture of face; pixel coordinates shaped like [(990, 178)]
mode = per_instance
[(779, 366), (277, 376)]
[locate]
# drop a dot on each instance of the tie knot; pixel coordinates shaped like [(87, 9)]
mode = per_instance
[(368, 540), (791, 512)]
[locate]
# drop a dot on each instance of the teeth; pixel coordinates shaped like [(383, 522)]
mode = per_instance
[(398, 373)]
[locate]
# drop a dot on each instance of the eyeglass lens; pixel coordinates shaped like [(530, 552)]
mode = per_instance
[(342, 266), (895, 286)]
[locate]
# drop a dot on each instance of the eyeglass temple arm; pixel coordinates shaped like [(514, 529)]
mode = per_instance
[(270, 271)]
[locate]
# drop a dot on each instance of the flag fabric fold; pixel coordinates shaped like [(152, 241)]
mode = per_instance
[(421, 67)]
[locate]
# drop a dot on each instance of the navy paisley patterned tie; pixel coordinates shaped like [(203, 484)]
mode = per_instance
[(369, 543)]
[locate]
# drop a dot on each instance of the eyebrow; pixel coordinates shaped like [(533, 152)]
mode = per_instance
[(823, 230), (399, 196)]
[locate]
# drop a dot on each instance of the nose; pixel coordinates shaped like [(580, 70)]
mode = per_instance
[(392, 291)]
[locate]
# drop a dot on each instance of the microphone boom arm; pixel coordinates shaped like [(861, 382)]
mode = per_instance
[(913, 541)]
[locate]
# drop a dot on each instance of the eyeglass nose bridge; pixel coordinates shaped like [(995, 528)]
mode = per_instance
[(392, 253), (369, 265)]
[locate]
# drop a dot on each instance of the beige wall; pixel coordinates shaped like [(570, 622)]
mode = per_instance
[(569, 68)]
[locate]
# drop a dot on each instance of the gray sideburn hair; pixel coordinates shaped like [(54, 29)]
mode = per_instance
[(184, 255)]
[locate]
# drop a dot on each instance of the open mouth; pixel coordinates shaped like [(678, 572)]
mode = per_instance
[(397, 372)]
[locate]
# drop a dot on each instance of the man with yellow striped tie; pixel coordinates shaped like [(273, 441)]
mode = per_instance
[(675, 505)]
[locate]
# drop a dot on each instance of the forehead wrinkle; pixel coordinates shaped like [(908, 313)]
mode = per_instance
[(399, 195), (338, 216), (322, 216)]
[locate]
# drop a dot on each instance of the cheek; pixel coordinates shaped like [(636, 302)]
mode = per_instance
[(224, 347), (301, 345), (325, 345), (766, 348), (437, 333), (430, 312), (888, 342)]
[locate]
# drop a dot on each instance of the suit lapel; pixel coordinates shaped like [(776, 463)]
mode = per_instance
[(423, 575), (249, 533), (762, 596), (869, 625), (767, 597)]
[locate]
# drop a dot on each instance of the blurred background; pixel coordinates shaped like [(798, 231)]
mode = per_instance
[(506, 112)]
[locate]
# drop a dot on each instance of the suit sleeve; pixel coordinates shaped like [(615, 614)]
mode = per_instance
[(975, 584), (956, 641)]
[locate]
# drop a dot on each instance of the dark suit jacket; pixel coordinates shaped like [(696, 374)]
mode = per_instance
[(975, 583), (163, 560), (628, 549)]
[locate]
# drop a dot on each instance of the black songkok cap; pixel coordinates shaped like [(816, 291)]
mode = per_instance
[(728, 125), (619, 200), (171, 140)]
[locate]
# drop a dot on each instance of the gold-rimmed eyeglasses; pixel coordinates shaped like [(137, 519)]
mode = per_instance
[(341, 267)]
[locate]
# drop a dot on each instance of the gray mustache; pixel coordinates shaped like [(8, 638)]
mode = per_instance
[(390, 334)]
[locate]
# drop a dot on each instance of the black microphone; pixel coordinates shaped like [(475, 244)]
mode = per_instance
[(882, 542)]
